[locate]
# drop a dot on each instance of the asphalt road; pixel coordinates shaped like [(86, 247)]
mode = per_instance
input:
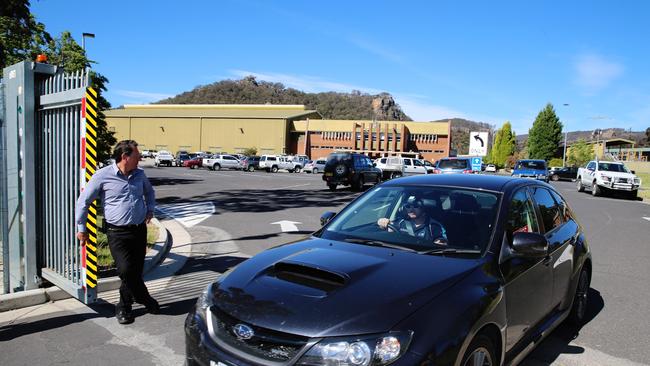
[(230, 215)]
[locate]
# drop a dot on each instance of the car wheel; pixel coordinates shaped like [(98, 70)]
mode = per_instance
[(340, 169), (251, 168), (395, 175), (274, 169), (216, 167), (555, 178), (581, 188), (579, 308), (314, 171), (332, 187), (480, 353), (298, 169), (359, 185), (595, 190)]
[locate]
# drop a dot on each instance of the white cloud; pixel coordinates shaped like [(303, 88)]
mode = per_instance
[(595, 73), (141, 97), (310, 84)]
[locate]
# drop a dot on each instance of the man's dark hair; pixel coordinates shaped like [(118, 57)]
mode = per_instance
[(124, 147)]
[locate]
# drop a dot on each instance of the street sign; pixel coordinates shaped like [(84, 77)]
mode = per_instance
[(477, 161), (478, 143)]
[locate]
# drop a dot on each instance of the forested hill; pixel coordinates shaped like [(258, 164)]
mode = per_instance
[(331, 105)]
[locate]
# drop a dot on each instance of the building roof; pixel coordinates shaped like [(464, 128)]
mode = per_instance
[(331, 125), (606, 141), (215, 111)]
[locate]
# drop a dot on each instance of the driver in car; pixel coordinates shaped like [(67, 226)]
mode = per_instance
[(416, 223)]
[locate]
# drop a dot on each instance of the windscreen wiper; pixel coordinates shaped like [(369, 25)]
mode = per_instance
[(379, 243), (450, 251)]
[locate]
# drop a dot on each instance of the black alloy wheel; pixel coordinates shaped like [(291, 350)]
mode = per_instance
[(580, 300), (480, 352)]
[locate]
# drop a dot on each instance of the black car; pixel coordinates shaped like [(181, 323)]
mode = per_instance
[(350, 169), (508, 265), (181, 158), (566, 173)]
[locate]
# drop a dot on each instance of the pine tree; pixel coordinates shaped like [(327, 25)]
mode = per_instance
[(545, 135)]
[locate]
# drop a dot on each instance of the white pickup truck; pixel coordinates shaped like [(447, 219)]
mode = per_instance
[(397, 166), (272, 163), (601, 176)]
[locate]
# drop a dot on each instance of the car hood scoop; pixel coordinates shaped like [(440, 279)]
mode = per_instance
[(318, 288)]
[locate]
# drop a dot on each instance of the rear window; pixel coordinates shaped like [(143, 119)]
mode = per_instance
[(453, 164), (535, 165), (337, 157)]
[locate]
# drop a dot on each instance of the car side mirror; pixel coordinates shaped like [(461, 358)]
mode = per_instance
[(530, 245), (374, 165), (632, 171), (326, 217)]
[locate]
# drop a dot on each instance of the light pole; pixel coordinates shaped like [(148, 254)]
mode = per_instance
[(566, 137), (83, 39)]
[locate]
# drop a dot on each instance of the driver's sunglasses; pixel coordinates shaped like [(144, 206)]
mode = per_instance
[(412, 205)]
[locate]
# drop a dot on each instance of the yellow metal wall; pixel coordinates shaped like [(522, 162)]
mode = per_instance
[(234, 135)]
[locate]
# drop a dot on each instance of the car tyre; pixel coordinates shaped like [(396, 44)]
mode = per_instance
[(251, 168), (596, 190), (581, 188), (480, 352), (332, 187), (314, 171), (298, 169), (359, 185), (395, 175), (216, 167), (632, 195), (274, 169), (555, 177), (580, 300)]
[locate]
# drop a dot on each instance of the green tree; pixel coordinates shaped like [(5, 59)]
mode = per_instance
[(65, 51), (545, 135), (580, 153), (504, 145), (250, 151), (21, 36)]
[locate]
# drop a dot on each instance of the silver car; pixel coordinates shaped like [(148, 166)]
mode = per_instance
[(315, 166), (453, 166)]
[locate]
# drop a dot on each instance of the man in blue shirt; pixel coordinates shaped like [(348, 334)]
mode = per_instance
[(129, 201)]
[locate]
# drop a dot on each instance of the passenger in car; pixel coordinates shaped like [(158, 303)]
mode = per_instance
[(415, 221)]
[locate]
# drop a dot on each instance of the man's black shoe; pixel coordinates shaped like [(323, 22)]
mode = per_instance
[(153, 307), (124, 316)]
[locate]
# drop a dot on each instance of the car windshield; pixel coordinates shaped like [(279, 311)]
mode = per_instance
[(453, 164), (531, 164), (419, 218), (607, 167), (336, 157)]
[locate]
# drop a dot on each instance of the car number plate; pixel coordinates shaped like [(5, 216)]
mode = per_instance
[(328, 174), (217, 363)]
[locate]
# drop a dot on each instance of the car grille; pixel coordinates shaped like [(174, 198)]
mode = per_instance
[(622, 180), (267, 344)]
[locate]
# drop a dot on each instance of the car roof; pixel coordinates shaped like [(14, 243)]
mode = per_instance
[(471, 181)]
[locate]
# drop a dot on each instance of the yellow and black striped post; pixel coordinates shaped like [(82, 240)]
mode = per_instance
[(91, 167)]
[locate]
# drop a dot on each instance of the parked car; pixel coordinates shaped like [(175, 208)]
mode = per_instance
[(350, 169), (273, 163), (391, 167), (181, 158), (354, 293), (566, 173), (427, 164), (531, 168), (221, 161), (251, 163), (163, 157), (195, 162), (491, 168), (315, 166), (608, 176), (453, 166)]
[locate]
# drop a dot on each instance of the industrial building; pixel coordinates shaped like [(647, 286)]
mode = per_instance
[(272, 129)]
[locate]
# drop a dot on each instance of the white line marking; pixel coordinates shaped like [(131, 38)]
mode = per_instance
[(188, 214), (646, 218), (286, 225), (294, 186)]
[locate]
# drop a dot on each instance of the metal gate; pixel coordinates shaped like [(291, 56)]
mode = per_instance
[(50, 171)]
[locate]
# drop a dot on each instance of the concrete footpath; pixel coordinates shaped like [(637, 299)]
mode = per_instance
[(155, 257)]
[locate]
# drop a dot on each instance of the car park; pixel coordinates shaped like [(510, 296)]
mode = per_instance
[(221, 161), (163, 157), (491, 168), (350, 169), (566, 173), (356, 294), (531, 168), (315, 166), (453, 166)]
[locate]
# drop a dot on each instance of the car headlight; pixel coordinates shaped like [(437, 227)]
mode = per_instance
[(637, 181), (606, 178), (358, 351)]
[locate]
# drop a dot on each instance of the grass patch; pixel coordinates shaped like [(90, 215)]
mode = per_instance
[(104, 257), (645, 186)]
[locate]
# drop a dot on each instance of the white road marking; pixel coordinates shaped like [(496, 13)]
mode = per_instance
[(294, 186), (188, 213), (646, 218), (286, 225)]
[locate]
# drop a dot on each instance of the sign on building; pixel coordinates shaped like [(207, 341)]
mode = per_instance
[(478, 143)]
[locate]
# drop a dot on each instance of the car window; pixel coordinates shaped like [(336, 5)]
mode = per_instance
[(368, 162), (271, 158), (453, 164), (531, 164), (609, 167), (407, 162), (551, 216), (564, 209), (521, 215), (591, 166), (320, 162)]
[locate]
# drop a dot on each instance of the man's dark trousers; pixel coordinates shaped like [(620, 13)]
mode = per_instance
[(128, 245)]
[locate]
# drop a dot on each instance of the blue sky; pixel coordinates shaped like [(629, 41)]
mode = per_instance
[(490, 61)]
